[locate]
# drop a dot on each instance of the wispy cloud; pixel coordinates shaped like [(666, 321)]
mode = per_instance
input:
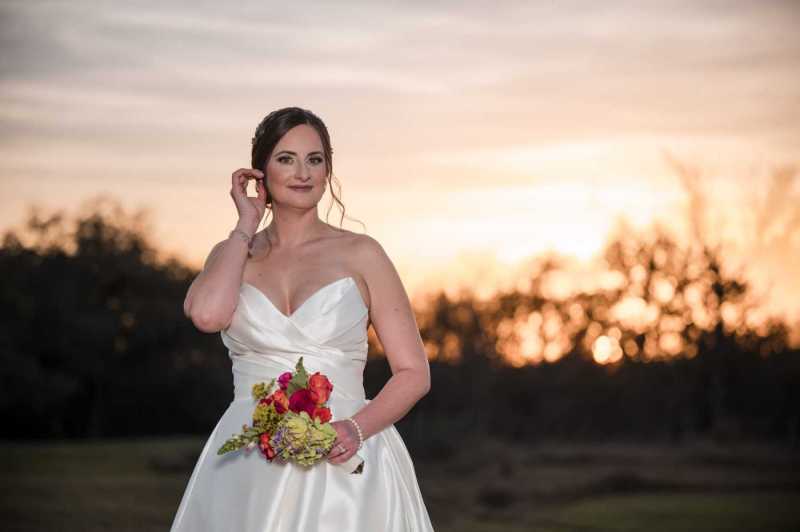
[(424, 99)]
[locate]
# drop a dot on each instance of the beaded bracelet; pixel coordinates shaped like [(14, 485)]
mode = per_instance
[(360, 434)]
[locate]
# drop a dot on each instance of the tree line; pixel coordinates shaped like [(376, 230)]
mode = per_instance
[(95, 344)]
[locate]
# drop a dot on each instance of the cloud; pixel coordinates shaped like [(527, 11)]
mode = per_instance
[(427, 75)]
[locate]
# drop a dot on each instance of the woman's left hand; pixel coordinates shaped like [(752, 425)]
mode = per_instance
[(347, 436)]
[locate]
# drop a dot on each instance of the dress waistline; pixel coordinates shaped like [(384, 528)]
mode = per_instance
[(348, 383)]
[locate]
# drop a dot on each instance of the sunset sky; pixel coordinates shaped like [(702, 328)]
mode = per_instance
[(467, 136)]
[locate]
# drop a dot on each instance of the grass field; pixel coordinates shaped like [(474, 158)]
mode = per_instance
[(137, 484)]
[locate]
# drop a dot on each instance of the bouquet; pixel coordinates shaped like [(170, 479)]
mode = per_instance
[(291, 423)]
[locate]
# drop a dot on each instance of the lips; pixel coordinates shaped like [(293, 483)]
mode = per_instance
[(307, 187)]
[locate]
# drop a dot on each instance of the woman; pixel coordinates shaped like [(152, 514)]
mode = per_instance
[(303, 287)]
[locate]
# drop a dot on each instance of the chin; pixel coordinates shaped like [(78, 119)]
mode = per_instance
[(311, 202)]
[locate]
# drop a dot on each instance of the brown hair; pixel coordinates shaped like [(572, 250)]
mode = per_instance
[(270, 131)]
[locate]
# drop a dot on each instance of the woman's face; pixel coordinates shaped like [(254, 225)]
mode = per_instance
[(296, 171)]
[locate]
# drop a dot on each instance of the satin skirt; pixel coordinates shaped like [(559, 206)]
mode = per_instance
[(241, 491)]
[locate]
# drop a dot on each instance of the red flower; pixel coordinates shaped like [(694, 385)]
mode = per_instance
[(283, 380), (323, 413), (301, 400), (266, 447), (320, 387), (281, 401)]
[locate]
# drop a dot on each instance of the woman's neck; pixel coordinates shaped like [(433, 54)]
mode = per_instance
[(289, 232)]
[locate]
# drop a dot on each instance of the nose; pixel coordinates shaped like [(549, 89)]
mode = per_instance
[(304, 171)]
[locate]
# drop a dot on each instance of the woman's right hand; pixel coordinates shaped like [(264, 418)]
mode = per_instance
[(251, 210)]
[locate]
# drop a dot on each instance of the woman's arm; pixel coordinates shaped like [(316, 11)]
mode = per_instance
[(213, 295), (396, 327)]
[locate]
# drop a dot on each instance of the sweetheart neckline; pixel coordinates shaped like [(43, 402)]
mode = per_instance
[(309, 298)]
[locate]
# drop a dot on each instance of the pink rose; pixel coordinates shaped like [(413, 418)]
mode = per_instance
[(283, 380)]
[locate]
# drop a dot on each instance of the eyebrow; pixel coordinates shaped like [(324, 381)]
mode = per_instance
[(293, 153)]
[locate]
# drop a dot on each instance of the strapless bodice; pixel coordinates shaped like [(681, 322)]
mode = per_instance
[(329, 330)]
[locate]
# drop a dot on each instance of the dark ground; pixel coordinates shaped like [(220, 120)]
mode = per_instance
[(136, 485)]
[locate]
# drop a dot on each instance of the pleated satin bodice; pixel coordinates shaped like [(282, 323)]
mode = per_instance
[(329, 330)]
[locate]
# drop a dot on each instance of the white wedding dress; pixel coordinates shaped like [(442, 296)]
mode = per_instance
[(241, 491)]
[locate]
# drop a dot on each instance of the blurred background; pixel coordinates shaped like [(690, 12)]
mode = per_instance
[(595, 209)]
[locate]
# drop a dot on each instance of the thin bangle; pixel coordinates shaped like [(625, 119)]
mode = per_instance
[(247, 238)]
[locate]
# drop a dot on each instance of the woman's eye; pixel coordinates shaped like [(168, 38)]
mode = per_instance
[(316, 160), (284, 158)]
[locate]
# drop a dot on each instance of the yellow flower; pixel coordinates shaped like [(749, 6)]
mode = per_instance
[(265, 416), (261, 389)]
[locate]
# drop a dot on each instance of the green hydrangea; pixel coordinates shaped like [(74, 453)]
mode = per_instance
[(321, 435), (296, 429), (301, 439)]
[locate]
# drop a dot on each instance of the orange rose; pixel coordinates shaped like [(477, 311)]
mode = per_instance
[(323, 413), (320, 387), (281, 401)]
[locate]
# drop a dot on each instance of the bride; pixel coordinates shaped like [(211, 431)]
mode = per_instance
[(301, 287)]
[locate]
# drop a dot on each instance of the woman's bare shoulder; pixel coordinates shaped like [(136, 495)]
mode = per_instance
[(361, 252), (348, 240), (371, 257), (366, 243)]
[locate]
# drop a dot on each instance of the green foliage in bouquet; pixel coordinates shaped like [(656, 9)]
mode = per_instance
[(261, 390), (265, 419), (249, 434), (299, 378), (302, 439)]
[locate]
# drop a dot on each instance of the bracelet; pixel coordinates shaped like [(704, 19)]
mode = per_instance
[(247, 238), (360, 434)]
